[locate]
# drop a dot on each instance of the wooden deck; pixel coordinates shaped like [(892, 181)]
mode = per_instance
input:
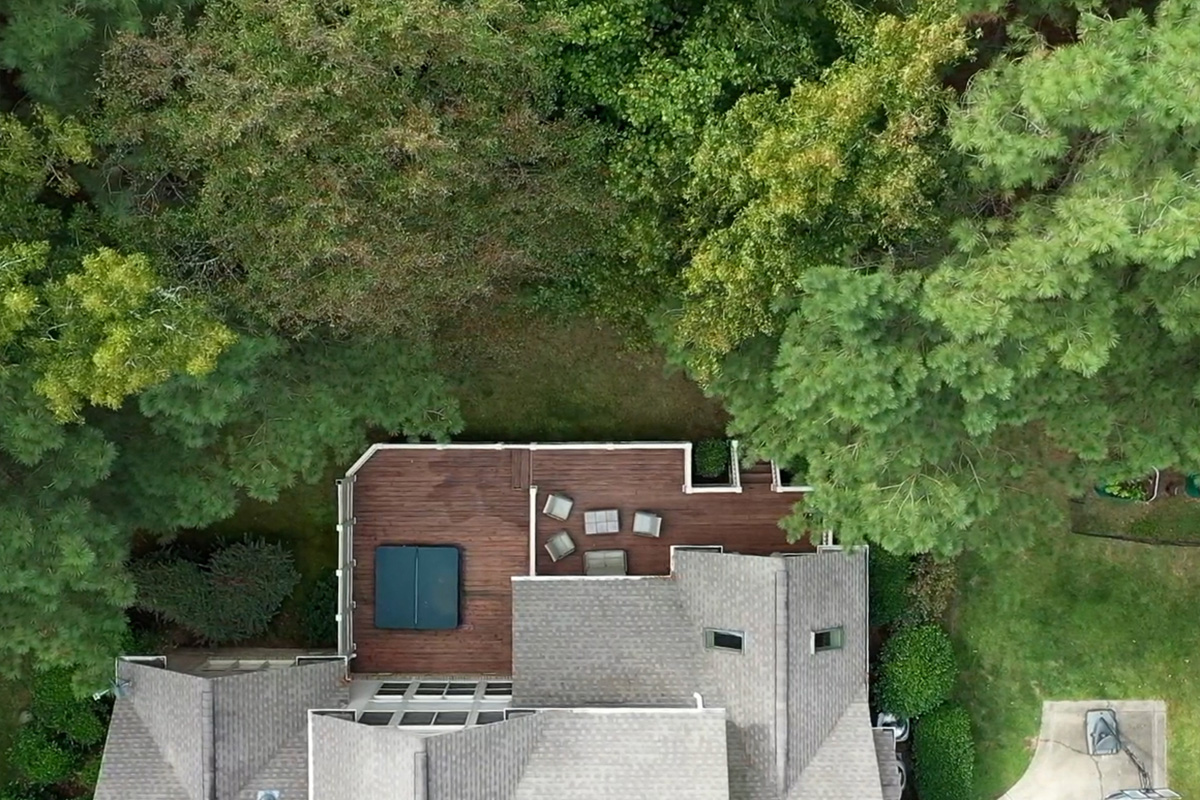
[(476, 500)]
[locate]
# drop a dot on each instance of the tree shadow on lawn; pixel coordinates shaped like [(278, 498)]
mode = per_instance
[(1075, 618)]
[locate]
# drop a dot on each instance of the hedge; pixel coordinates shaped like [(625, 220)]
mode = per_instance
[(944, 754), (917, 671), (712, 457), (230, 599), (889, 576)]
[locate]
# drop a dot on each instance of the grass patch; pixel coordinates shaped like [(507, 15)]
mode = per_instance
[(1076, 618), (524, 379), (1165, 519)]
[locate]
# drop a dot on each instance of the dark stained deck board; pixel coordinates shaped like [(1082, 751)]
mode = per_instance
[(521, 471), (652, 480), (459, 497), (465, 497)]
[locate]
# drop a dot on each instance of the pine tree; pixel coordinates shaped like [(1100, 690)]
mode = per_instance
[(54, 46), (946, 406), (271, 415)]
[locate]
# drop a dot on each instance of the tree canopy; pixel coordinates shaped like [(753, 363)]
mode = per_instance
[(1053, 343), (939, 255), (375, 164)]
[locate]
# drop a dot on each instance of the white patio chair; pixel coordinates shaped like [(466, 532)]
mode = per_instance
[(646, 523), (560, 545), (558, 506)]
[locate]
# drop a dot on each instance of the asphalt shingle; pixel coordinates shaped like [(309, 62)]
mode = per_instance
[(176, 735), (353, 761)]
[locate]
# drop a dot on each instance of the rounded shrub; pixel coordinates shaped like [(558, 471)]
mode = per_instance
[(712, 457), (916, 671), (889, 574), (39, 758), (944, 754), (230, 599)]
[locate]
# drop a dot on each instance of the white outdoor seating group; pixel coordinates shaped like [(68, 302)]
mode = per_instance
[(596, 522)]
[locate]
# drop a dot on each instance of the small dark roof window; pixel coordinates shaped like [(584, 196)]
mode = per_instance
[(451, 718), (716, 639), (829, 639), (375, 717)]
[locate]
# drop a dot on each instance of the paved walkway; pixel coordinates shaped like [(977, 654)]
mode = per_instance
[(1062, 769)]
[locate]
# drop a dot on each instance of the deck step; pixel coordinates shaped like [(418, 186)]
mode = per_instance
[(521, 466), (760, 473)]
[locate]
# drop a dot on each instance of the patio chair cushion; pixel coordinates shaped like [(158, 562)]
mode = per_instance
[(558, 506), (646, 523), (560, 545), (604, 562)]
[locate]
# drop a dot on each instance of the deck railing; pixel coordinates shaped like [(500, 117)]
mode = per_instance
[(345, 571)]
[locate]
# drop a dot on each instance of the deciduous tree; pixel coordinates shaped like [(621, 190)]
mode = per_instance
[(372, 164)]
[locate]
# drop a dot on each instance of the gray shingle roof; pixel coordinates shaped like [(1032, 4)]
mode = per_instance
[(178, 735), (621, 642), (259, 714), (845, 764), (885, 756), (557, 754), (602, 642), (602, 755), (825, 590), (353, 761), (133, 762), (159, 731)]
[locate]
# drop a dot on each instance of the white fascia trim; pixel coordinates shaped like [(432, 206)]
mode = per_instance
[(515, 578), (311, 777), (685, 711), (373, 449), (533, 490)]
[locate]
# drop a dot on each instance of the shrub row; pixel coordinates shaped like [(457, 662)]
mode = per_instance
[(944, 754), (917, 669)]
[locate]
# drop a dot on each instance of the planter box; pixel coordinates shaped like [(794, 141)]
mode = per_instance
[(731, 481)]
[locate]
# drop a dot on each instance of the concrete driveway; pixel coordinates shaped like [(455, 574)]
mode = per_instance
[(1062, 769)]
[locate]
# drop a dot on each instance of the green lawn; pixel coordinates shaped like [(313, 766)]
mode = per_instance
[(1076, 617), (525, 379), (1166, 519)]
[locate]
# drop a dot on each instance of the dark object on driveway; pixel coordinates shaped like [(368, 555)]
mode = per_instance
[(1103, 737)]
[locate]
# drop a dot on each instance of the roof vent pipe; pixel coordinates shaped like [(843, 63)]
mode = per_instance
[(699, 700)]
